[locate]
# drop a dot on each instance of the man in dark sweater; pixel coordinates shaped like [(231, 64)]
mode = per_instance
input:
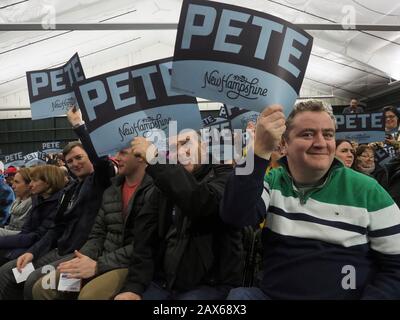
[(75, 214)]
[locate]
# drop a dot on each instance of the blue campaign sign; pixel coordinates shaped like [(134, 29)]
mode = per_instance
[(51, 92), (240, 117), (14, 159), (35, 158), (123, 104), (231, 118), (217, 149), (52, 147), (382, 157), (360, 127), (239, 56)]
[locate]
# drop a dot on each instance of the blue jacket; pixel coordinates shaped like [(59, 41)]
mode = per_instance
[(6, 199)]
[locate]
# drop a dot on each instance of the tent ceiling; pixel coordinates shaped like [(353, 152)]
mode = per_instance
[(343, 63)]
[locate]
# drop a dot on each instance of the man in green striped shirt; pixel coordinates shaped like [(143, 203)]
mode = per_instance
[(331, 233)]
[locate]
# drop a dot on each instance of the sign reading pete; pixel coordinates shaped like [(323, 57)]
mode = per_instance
[(239, 56), (51, 92), (123, 104), (360, 127)]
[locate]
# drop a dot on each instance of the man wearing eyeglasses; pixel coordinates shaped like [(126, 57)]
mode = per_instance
[(75, 216)]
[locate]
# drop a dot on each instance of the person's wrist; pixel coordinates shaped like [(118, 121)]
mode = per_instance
[(264, 155), (262, 152), (78, 124)]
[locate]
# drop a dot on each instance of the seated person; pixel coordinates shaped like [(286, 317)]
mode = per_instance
[(345, 152), (190, 253), (389, 178), (20, 209), (7, 197), (364, 161), (9, 174), (74, 217), (46, 183), (392, 122), (332, 233), (102, 262), (391, 143)]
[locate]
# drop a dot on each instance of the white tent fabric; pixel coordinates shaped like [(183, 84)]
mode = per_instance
[(343, 63)]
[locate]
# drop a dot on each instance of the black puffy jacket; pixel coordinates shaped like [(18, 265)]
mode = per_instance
[(111, 239)]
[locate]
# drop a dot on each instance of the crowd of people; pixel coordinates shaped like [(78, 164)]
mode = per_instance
[(128, 228)]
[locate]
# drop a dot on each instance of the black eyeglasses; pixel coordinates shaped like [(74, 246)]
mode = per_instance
[(366, 156)]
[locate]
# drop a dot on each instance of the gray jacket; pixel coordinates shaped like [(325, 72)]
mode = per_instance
[(20, 210)]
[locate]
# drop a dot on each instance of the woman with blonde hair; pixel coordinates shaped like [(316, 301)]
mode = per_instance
[(22, 205), (46, 185)]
